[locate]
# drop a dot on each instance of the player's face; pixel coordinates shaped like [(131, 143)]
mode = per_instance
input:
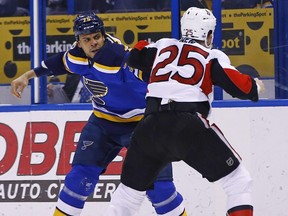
[(91, 43)]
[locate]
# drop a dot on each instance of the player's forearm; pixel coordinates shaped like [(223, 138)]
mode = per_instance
[(29, 74), (236, 84)]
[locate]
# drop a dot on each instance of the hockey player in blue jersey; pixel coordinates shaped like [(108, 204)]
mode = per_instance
[(118, 98)]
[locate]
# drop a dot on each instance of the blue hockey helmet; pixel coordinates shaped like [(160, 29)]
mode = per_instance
[(87, 23)]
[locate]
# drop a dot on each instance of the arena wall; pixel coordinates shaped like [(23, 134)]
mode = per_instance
[(37, 144)]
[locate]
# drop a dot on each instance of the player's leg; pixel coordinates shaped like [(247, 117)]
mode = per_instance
[(125, 201), (216, 160), (237, 186), (138, 174), (142, 165), (166, 200), (164, 196), (79, 184), (92, 155), (162, 192)]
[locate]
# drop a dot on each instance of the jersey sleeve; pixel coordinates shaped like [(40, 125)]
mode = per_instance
[(226, 76), (142, 57), (51, 66)]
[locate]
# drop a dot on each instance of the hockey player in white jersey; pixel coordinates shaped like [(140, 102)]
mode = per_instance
[(175, 125)]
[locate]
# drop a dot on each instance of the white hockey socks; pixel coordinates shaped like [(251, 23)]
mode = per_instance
[(238, 188), (125, 201)]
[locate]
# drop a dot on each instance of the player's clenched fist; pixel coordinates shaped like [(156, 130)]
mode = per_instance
[(260, 85)]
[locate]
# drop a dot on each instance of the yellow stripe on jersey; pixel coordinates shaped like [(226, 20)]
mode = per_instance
[(117, 118), (140, 75), (106, 69), (137, 73), (184, 213), (84, 61), (65, 64), (58, 213), (79, 60), (116, 40)]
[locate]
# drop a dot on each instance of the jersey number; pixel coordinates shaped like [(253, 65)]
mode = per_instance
[(183, 60)]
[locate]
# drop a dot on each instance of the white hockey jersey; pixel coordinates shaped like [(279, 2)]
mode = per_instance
[(186, 72)]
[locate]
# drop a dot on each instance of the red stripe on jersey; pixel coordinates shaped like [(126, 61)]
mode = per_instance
[(207, 84), (242, 81), (223, 138), (247, 212), (141, 44)]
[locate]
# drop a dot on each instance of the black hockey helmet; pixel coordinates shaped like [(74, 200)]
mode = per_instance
[(87, 23)]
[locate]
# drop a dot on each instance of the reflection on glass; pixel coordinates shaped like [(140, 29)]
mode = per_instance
[(14, 8), (55, 7), (244, 4)]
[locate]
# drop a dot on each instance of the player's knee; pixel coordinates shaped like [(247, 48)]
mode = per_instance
[(165, 198), (237, 182), (166, 174), (82, 179)]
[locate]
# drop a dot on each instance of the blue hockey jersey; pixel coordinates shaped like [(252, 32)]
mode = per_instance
[(118, 93)]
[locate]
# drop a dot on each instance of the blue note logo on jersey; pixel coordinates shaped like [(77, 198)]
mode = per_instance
[(97, 90), (86, 144)]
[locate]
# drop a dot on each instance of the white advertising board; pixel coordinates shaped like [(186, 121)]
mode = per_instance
[(36, 149)]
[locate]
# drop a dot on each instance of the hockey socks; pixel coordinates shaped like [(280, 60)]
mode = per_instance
[(244, 210), (165, 199), (125, 201), (79, 184)]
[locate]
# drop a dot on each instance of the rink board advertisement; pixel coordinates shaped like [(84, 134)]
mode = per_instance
[(247, 37), (37, 147), (36, 153)]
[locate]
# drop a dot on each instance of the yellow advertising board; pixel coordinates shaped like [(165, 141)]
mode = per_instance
[(12, 47), (15, 39), (247, 37)]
